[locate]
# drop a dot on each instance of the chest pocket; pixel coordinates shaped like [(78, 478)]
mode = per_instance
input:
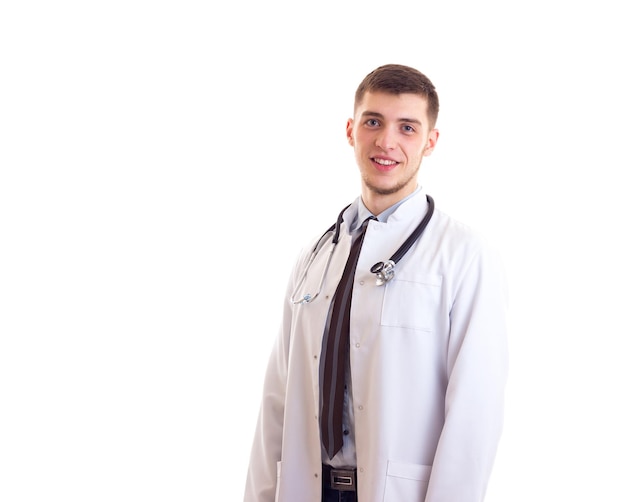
[(413, 302)]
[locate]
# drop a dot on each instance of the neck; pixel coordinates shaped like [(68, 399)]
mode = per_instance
[(376, 202)]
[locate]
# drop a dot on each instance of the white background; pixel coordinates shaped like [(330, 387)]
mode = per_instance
[(163, 162)]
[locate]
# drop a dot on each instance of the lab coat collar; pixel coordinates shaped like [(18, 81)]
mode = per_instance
[(412, 204)]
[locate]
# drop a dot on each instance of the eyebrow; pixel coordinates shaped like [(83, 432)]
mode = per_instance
[(377, 115)]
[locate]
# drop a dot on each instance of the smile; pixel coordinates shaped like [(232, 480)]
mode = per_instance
[(384, 164)]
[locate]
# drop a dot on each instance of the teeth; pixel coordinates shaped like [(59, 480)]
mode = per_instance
[(384, 162)]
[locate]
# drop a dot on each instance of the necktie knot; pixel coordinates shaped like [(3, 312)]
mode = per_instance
[(361, 229)]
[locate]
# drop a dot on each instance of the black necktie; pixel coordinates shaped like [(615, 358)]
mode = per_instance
[(336, 342)]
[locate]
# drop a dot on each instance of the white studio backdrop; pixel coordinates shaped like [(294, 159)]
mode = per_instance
[(162, 163)]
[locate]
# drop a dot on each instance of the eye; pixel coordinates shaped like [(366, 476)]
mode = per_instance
[(408, 128), (372, 123)]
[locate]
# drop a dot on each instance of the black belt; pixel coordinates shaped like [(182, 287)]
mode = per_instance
[(339, 479)]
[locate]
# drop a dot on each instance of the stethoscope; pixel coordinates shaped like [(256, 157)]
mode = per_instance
[(384, 270)]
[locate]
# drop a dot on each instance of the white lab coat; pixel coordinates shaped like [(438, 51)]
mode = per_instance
[(428, 359)]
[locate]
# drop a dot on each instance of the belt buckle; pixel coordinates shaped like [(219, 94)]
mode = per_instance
[(342, 480)]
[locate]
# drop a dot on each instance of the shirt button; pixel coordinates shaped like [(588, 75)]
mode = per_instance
[(361, 283), (346, 432), (361, 408), (357, 345)]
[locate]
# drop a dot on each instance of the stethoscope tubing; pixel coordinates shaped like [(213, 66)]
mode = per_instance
[(412, 239), (383, 270)]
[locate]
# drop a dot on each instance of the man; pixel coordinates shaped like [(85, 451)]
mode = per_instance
[(420, 410)]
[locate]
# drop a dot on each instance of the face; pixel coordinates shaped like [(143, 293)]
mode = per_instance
[(390, 135)]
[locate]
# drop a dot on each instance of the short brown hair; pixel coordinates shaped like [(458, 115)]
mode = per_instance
[(400, 79)]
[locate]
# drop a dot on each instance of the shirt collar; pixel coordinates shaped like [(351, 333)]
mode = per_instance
[(363, 213)]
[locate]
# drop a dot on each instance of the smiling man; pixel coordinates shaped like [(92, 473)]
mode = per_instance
[(390, 133), (386, 381)]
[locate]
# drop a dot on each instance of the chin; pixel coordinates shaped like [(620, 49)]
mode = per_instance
[(383, 189)]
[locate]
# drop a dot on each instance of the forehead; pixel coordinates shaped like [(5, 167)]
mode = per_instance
[(394, 106)]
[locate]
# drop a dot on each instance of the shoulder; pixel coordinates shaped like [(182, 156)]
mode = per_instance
[(456, 232), (463, 244)]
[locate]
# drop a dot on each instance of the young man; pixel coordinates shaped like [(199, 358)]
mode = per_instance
[(418, 413)]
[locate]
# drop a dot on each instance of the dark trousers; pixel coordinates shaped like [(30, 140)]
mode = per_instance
[(330, 495)]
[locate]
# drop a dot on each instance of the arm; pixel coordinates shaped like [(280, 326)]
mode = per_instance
[(476, 369), (267, 444)]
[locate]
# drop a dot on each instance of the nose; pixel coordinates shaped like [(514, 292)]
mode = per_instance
[(386, 139)]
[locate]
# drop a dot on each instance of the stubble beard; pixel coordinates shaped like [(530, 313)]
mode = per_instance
[(397, 187)]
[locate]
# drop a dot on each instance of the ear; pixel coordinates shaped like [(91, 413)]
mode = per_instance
[(433, 136), (350, 131)]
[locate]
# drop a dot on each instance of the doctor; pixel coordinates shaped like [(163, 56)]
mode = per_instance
[(426, 358)]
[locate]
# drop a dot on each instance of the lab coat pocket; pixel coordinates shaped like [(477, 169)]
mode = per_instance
[(412, 302), (406, 482)]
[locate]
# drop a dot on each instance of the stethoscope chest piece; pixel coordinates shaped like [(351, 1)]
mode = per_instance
[(384, 271)]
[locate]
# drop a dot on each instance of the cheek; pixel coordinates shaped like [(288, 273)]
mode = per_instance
[(414, 149), (362, 138)]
